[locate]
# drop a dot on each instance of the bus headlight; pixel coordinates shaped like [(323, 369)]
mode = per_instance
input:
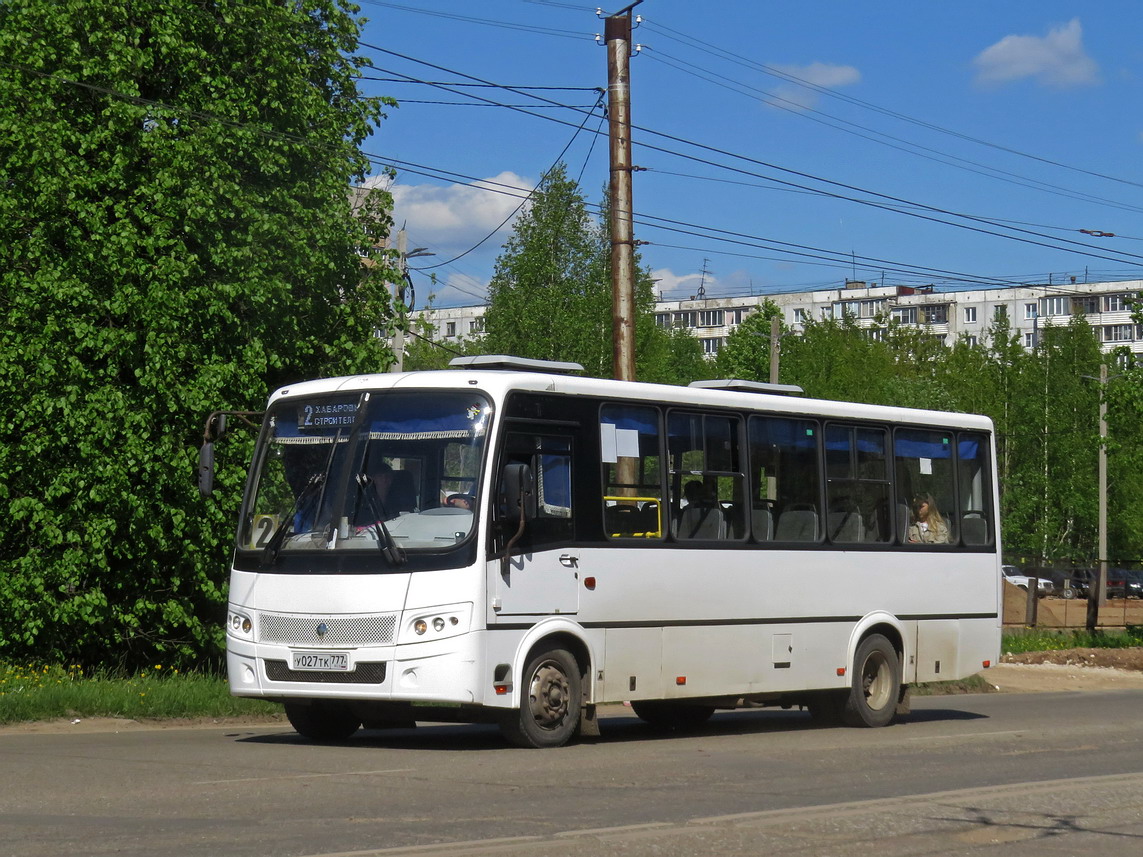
[(239, 624), (436, 623)]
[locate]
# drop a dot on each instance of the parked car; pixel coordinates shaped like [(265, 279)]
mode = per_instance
[(1123, 583), (1014, 576)]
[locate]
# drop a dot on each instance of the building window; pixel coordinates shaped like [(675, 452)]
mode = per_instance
[(799, 315), (711, 345), (450, 328), (869, 309), (938, 314), (476, 325), (905, 315), (1088, 305), (711, 318), (663, 319), (1029, 340), (827, 313), (1115, 303), (1000, 311), (686, 319), (1029, 311), (970, 315), (970, 341), (1118, 332), (1055, 306)]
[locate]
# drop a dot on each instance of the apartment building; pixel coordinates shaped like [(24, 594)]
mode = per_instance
[(947, 315)]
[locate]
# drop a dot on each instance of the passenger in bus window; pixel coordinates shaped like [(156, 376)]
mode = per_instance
[(460, 501), (928, 526)]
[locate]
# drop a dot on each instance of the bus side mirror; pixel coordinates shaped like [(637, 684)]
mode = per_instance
[(517, 492), (206, 469)]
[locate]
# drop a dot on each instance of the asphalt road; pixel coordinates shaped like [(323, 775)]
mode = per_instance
[(1005, 774)]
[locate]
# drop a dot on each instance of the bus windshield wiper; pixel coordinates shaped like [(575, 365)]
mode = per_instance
[(274, 545), (393, 552)]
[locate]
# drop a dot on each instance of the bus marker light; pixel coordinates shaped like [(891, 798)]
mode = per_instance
[(987, 664), (841, 670), (589, 582), (420, 627), (438, 624), (501, 689), (680, 680)]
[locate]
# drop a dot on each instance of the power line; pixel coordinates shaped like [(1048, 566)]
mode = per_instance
[(832, 93), (1086, 249), (881, 138)]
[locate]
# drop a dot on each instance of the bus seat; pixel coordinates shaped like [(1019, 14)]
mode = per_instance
[(797, 524), (762, 523), (845, 525), (974, 529), (903, 522), (702, 520)]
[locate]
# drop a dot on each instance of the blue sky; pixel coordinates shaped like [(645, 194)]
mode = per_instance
[(795, 145)]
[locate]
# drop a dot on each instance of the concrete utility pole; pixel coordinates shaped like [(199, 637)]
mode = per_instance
[(617, 33)]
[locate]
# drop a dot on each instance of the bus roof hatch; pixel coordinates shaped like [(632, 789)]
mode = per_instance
[(514, 364), (738, 386)]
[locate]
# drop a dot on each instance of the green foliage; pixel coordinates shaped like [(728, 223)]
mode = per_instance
[(175, 237), (551, 299)]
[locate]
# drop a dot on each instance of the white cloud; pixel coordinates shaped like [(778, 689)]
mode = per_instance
[(680, 287), (457, 214), (1056, 60), (796, 96)]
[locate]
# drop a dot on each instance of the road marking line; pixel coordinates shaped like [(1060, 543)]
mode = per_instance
[(303, 776)]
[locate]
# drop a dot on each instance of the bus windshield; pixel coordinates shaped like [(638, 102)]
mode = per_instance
[(398, 471)]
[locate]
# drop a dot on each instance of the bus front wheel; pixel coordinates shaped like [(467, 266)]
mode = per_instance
[(322, 721), (549, 707), (872, 699)]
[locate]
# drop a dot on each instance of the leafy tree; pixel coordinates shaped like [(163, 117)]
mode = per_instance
[(175, 236), (550, 297)]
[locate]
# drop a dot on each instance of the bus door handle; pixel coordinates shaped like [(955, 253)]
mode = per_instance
[(569, 560)]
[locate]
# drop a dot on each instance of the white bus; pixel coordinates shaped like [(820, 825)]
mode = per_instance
[(506, 542)]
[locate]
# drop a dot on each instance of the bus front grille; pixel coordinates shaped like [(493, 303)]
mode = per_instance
[(369, 630), (365, 673)]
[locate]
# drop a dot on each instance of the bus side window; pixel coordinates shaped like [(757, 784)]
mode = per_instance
[(631, 472), (974, 489), (785, 479), (550, 460), (927, 511)]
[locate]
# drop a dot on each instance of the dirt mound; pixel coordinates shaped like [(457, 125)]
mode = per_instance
[(1120, 659)]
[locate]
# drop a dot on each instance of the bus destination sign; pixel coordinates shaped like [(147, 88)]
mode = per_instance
[(317, 416)]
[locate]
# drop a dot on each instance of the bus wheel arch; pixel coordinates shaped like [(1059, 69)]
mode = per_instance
[(551, 693)]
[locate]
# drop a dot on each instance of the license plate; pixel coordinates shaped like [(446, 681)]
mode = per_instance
[(320, 661)]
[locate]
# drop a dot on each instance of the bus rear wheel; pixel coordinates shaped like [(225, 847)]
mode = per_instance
[(549, 708), (876, 684), (322, 721), (671, 716)]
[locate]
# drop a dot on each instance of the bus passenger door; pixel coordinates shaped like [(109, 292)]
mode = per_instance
[(541, 576)]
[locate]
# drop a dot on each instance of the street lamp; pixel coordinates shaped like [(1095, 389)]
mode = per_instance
[(1098, 596)]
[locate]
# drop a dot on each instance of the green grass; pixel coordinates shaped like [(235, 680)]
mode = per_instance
[(37, 692), (1039, 640)]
